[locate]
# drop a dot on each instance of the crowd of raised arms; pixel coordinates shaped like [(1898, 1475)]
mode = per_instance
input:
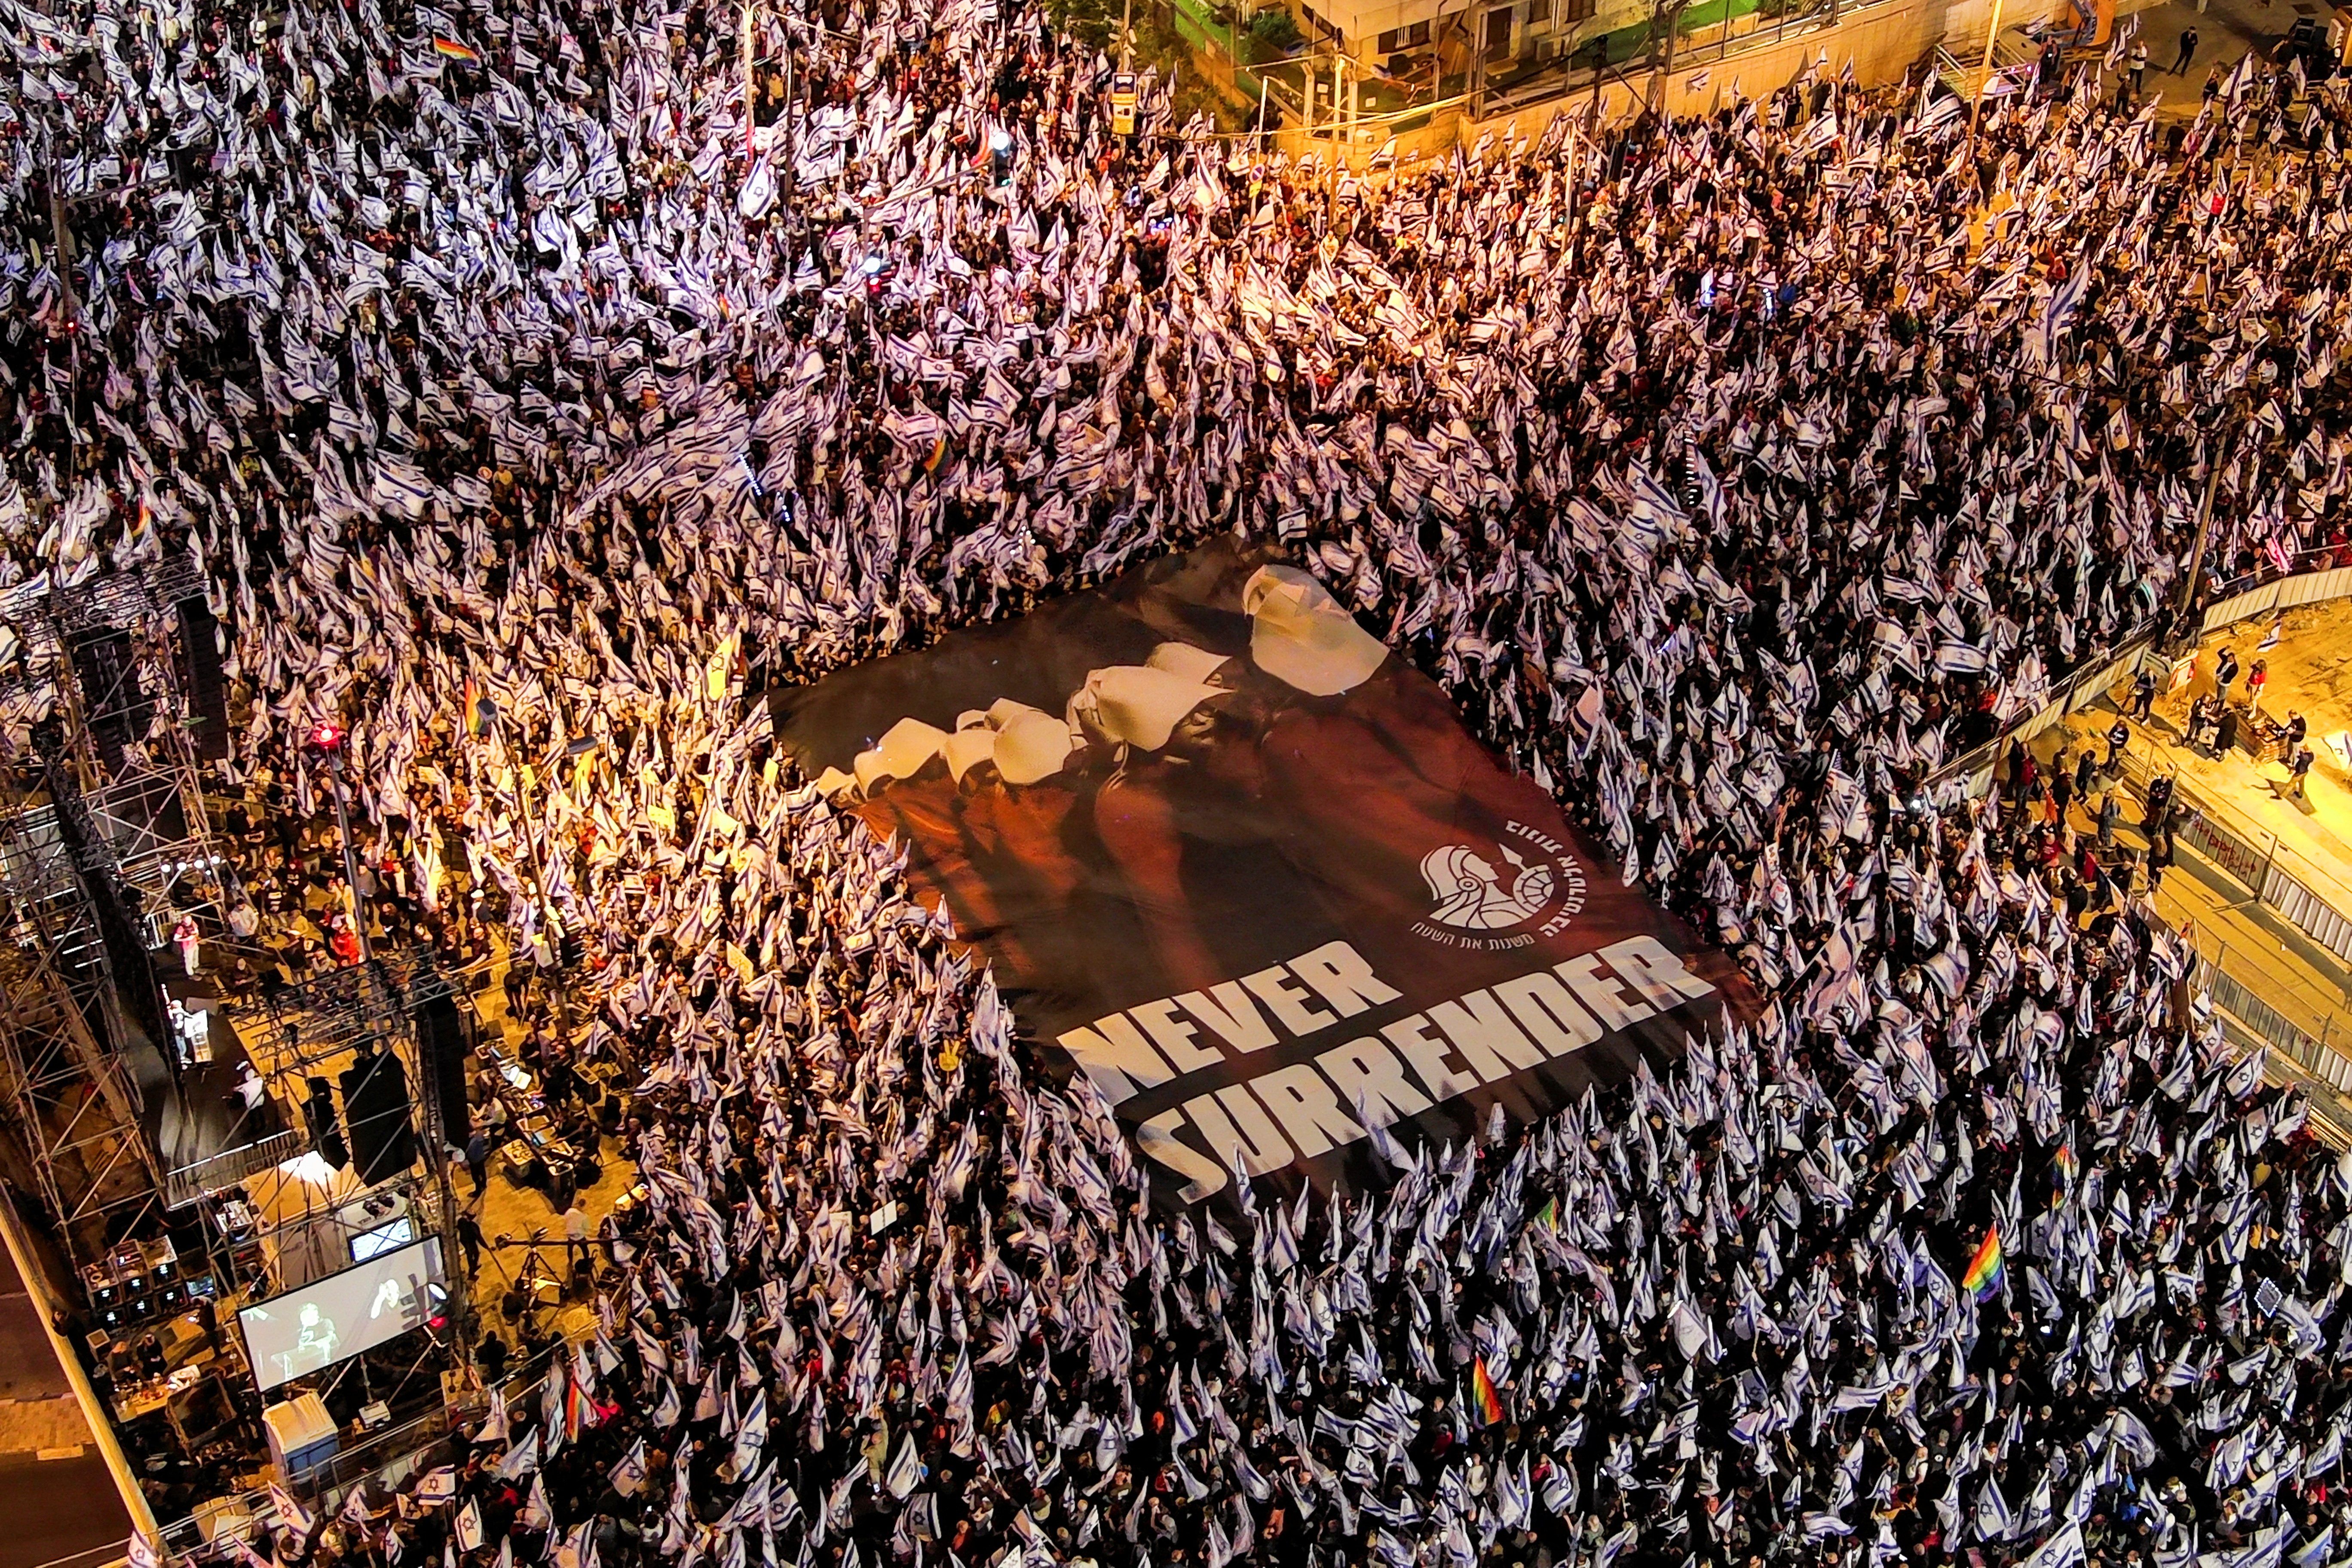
[(1730, 474)]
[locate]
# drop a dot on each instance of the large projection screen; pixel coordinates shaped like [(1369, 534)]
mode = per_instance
[(337, 1317)]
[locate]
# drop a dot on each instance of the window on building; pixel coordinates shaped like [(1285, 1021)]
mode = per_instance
[(1418, 33), (1574, 11), (1539, 11), (1389, 39)]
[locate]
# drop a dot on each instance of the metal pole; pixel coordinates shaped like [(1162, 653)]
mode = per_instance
[(751, 118), (63, 239), (1338, 69), (1126, 37), (350, 866), (2204, 527), (1984, 77), (784, 123), (1661, 53), (537, 870), (445, 1189), (1477, 61), (1307, 99)]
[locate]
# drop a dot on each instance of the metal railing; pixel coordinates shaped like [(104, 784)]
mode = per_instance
[(2092, 678), (2312, 898), (2317, 1062), (2314, 1054), (2313, 1065), (2222, 608), (2305, 896), (1572, 72), (393, 1454), (218, 1173), (2306, 577)]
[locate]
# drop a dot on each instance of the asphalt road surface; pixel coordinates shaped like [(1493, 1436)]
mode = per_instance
[(49, 1509), (57, 1508), (28, 1366)]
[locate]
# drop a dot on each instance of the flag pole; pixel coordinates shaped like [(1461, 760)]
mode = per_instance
[(750, 119), (1984, 79)]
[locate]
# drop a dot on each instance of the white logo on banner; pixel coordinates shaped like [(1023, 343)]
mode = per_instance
[(1536, 889)]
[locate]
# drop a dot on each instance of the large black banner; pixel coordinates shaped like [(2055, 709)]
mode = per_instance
[(1243, 867)]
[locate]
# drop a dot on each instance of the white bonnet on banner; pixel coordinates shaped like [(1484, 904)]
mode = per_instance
[(1302, 637)]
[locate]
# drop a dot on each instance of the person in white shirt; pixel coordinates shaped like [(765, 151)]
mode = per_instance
[(576, 1233)]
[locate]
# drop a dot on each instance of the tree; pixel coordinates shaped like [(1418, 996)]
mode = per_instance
[(1276, 30), (1665, 25), (1159, 47)]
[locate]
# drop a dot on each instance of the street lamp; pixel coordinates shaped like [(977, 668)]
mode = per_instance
[(999, 154)]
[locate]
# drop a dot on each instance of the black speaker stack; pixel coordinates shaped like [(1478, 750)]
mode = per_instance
[(207, 690), (326, 1133), (114, 701), (441, 1038), (376, 1116)]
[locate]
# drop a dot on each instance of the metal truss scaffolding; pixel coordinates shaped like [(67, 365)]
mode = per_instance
[(101, 827), (74, 1102), (318, 1026)]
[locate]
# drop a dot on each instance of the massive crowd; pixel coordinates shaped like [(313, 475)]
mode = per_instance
[(1731, 475)]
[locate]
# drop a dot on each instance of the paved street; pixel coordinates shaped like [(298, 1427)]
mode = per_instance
[(49, 1509), (2225, 30), (58, 1507), (28, 1366)]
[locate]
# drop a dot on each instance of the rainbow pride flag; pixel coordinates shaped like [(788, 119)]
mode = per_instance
[(580, 1412), (451, 49), (1488, 1404), (478, 711), (1983, 1277)]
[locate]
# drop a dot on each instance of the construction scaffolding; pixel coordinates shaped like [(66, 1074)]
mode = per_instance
[(102, 834), (74, 1101), (316, 1031)]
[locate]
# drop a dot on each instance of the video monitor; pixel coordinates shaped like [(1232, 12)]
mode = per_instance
[(333, 1319), (375, 1243)]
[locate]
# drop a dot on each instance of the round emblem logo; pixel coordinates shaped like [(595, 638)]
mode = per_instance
[(1531, 887)]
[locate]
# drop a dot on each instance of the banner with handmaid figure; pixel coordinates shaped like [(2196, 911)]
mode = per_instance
[(1236, 862)]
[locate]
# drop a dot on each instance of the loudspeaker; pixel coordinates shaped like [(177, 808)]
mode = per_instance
[(113, 700), (326, 1136), (442, 1048), (207, 690), (375, 1116)]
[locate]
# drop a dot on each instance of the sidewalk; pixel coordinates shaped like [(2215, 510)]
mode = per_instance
[(2310, 673), (65, 1489), (2225, 30), (2303, 983)]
